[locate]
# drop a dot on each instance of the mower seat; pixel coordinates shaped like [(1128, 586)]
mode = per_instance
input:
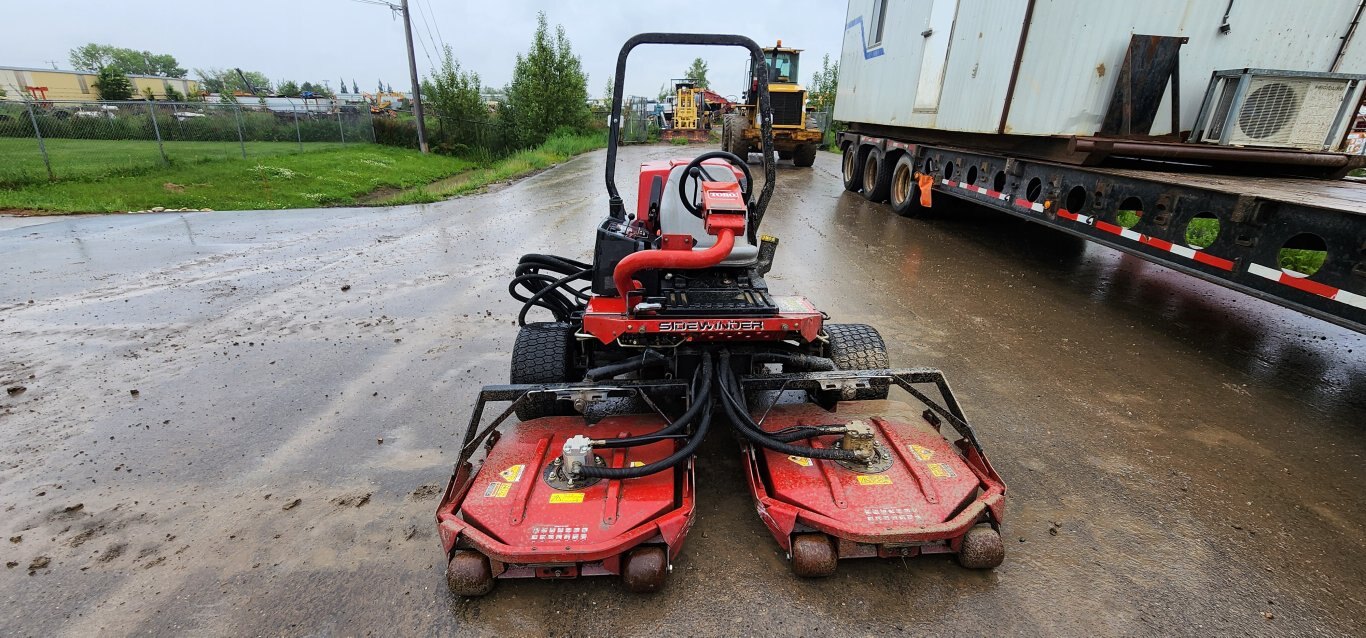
[(674, 218)]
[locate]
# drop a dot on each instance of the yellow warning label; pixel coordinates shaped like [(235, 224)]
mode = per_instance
[(513, 474), (921, 452), (566, 497), (800, 460), (497, 490), (941, 470), (874, 479), (637, 463)]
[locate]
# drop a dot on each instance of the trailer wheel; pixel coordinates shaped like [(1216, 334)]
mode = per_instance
[(644, 569), (982, 548), (805, 155), (856, 346), (813, 556), (852, 168), (543, 353), (877, 176), (468, 574), (904, 193)]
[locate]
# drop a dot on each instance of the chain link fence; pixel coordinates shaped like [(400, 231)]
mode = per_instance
[(50, 140)]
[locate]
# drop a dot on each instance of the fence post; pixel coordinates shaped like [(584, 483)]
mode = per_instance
[(340, 129), (237, 115), (156, 128), (42, 148), (297, 133)]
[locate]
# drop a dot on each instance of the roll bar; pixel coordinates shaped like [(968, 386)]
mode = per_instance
[(756, 55)]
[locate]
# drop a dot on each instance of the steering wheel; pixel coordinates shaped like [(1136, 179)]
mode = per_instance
[(696, 170)]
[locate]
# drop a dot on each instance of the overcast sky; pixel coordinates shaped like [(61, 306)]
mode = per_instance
[(319, 40)]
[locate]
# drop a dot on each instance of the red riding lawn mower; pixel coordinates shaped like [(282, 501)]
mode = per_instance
[(671, 327)]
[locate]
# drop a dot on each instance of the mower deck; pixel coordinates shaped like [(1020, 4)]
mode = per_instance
[(922, 497)]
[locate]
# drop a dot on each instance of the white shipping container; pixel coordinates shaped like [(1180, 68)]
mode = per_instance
[(947, 64)]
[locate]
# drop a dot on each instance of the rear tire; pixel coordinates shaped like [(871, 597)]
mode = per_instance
[(805, 155), (877, 176), (543, 353), (904, 193), (857, 346), (735, 139), (852, 168)]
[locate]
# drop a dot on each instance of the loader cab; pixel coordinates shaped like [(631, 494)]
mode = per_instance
[(782, 66)]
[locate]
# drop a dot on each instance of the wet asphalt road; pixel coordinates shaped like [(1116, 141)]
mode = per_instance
[(196, 450)]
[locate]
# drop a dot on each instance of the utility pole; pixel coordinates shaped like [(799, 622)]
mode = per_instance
[(412, 74)]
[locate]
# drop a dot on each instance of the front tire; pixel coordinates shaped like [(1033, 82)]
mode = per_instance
[(856, 346), (852, 168), (543, 353), (805, 155)]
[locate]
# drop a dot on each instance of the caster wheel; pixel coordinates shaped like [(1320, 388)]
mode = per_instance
[(468, 574), (644, 568), (982, 548), (813, 556)]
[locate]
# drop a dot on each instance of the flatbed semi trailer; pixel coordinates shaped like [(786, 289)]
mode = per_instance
[(1151, 214), (1070, 113)]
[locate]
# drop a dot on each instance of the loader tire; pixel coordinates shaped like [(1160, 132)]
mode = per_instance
[(851, 168), (877, 176), (856, 346), (736, 144), (805, 155), (543, 353)]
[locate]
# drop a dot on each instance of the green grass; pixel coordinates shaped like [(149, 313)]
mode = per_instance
[(1305, 262), (553, 151), (1201, 232), (22, 165), (1360, 172), (324, 177), (679, 141)]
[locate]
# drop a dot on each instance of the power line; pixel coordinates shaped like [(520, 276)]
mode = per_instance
[(437, 23), (428, 28)]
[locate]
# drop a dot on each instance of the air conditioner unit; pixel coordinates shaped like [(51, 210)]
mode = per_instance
[(1278, 109)]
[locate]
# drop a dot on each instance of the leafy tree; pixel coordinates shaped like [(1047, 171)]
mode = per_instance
[(821, 93), (91, 57), (172, 94), (355, 88), (307, 87), (341, 88), (113, 84), (288, 88), (698, 73), (607, 90), (381, 87), (390, 88), (455, 95), (664, 92), (549, 89), (148, 95), (225, 81)]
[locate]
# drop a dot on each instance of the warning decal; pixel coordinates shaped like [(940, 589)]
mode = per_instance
[(566, 497), (637, 464), (941, 470), (874, 479), (497, 490), (558, 533), (513, 474), (921, 452), (800, 460)]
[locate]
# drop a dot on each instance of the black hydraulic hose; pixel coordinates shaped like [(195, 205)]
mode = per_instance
[(740, 419), (683, 454), (646, 359), (543, 281), (701, 387), (643, 439), (805, 362)]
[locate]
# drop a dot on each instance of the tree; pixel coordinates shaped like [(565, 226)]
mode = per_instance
[(821, 94), (288, 88), (307, 87), (548, 90), (92, 57), (455, 95), (355, 88), (172, 95), (341, 88), (113, 84), (664, 92), (225, 81), (607, 91), (698, 73)]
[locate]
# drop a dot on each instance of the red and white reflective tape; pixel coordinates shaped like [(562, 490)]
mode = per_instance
[(1303, 283), (975, 189), (1034, 206), (1192, 254)]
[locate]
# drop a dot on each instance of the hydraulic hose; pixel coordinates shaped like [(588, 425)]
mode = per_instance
[(543, 281), (703, 404), (740, 419), (647, 358), (805, 362)]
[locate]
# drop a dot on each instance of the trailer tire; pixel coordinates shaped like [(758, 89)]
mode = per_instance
[(904, 191), (857, 346), (543, 353), (851, 167), (805, 155), (877, 176)]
